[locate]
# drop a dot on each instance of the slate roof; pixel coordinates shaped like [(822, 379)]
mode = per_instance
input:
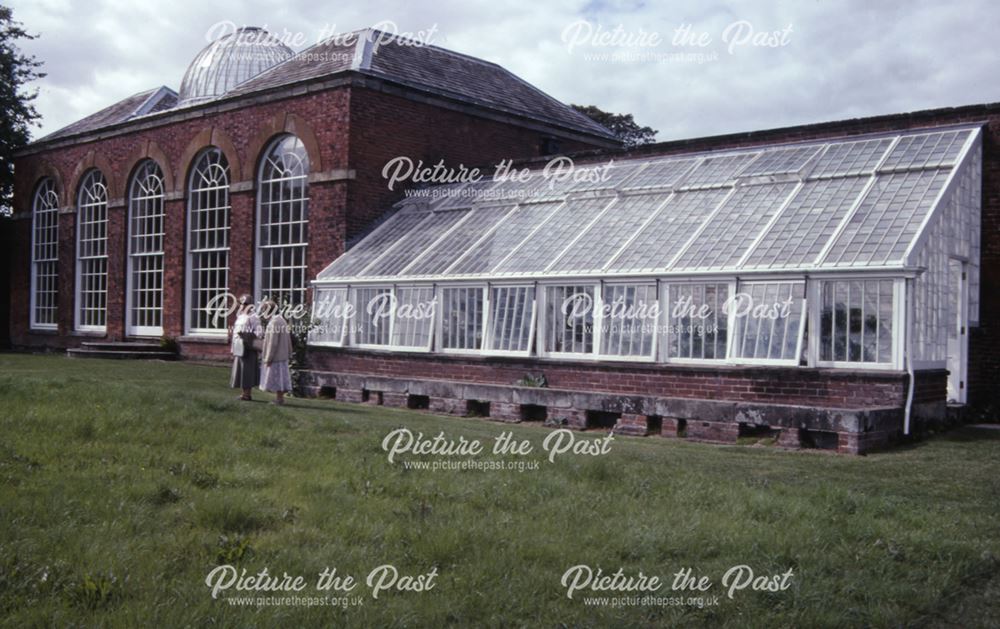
[(367, 52), (147, 102)]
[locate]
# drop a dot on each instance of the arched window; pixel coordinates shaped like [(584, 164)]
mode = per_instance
[(208, 243), (92, 253), (144, 301), (282, 221), (44, 256)]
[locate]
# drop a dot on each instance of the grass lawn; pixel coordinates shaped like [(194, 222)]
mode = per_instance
[(123, 484)]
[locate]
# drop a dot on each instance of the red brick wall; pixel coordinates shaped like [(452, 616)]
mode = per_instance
[(776, 385), (344, 128), (385, 126)]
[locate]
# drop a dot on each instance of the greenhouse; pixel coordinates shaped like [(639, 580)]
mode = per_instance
[(848, 253)]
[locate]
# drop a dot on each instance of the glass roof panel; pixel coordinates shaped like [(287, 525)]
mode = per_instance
[(415, 243), (781, 161), (677, 214), (374, 245), (798, 236), (662, 237), (450, 247), (717, 171), (496, 245), (843, 159), (660, 174), (887, 219), (928, 150), (594, 249), (542, 246), (730, 232), (606, 176), (461, 195)]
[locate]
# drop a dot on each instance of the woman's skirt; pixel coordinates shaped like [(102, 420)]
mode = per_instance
[(245, 372), (276, 376)]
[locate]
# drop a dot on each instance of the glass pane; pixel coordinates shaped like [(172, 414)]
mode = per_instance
[(331, 311), (697, 321), (413, 317), (768, 319), (629, 318), (372, 310), (511, 311), (569, 319), (462, 318)]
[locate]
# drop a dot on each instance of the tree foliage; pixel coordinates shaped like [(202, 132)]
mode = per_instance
[(623, 126), (17, 110)]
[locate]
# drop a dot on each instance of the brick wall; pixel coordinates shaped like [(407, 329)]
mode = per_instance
[(385, 126), (774, 385), (344, 129)]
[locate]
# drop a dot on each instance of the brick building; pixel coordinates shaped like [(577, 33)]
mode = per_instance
[(250, 179), (865, 251)]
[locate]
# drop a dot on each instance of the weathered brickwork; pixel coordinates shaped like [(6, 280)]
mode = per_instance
[(349, 133)]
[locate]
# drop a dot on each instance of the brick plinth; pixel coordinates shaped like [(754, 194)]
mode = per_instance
[(790, 438), (633, 424), (448, 406), (713, 432), (395, 400), (502, 411), (353, 396)]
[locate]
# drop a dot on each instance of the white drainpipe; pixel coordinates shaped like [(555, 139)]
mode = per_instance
[(909, 357)]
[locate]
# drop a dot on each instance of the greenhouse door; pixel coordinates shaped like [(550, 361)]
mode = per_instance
[(958, 333)]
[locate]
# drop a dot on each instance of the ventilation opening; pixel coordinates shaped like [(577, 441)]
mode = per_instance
[(534, 413), (418, 402), (328, 393), (654, 424), (682, 428), (819, 439), (477, 408), (751, 434), (371, 397), (602, 419)]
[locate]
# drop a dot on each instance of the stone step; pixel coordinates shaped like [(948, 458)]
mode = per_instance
[(139, 346), (122, 351)]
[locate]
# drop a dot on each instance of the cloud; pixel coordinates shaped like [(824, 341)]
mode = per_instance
[(841, 60)]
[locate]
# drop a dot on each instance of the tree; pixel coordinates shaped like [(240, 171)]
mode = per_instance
[(17, 111), (623, 126)]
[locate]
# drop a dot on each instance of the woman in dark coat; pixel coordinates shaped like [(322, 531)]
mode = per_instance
[(247, 328)]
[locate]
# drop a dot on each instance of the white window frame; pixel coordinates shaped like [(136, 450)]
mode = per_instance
[(532, 327), (78, 272), (191, 253), (439, 318), (344, 334), (657, 323), (541, 329), (815, 295), (259, 225), (664, 295), (790, 362), (360, 312), (130, 255), (431, 326), (50, 189)]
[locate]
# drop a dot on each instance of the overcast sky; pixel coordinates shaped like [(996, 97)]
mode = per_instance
[(830, 60)]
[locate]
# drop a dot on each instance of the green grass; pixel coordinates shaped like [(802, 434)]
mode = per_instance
[(123, 484)]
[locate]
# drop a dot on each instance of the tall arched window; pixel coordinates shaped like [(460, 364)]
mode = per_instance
[(92, 253), (144, 302), (282, 221), (44, 256), (208, 243)]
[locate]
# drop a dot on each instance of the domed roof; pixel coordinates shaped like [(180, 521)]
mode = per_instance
[(229, 61)]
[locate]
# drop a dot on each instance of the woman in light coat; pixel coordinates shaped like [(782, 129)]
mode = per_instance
[(275, 374), (246, 329)]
